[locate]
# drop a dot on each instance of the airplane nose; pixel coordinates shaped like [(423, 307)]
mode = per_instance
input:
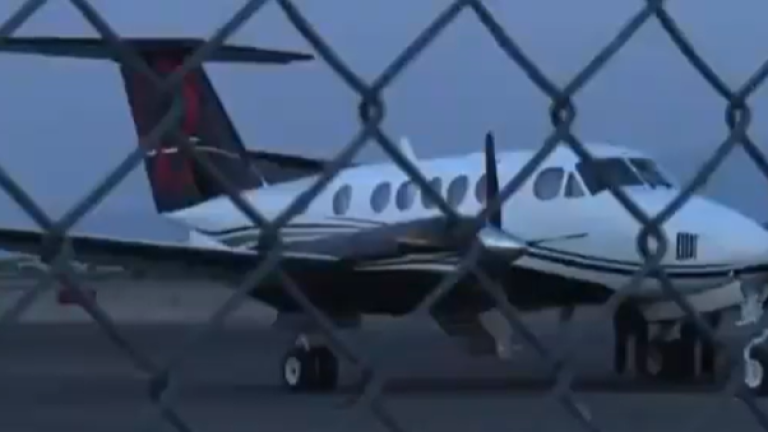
[(705, 231), (734, 237), (741, 238)]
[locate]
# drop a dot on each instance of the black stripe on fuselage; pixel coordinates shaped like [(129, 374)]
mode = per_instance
[(575, 259), (598, 264), (250, 239), (290, 225), (680, 272), (549, 255)]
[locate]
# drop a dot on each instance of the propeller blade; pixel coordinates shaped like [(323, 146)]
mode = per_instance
[(492, 179), (556, 239)]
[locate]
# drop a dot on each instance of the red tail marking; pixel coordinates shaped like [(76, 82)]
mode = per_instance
[(190, 94), (171, 176)]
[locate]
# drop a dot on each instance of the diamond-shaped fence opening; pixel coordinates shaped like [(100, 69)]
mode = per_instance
[(270, 262)]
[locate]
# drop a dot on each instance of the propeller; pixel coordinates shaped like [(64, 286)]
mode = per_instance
[(493, 236), (503, 245)]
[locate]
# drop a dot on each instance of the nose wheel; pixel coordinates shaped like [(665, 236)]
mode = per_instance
[(310, 369), (674, 360)]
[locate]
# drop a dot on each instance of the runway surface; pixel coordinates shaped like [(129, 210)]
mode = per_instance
[(73, 378)]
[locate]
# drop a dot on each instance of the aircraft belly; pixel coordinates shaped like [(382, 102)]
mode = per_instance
[(398, 289)]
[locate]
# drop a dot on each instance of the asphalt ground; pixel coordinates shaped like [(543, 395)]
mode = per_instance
[(73, 377)]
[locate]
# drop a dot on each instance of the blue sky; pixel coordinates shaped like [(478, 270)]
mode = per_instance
[(71, 123)]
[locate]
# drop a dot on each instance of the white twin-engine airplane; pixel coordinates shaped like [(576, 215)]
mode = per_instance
[(371, 243)]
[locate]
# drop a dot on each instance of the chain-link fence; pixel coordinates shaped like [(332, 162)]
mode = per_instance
[(563, 114)]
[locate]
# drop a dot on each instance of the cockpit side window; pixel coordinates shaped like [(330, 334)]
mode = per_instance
[(599, 173), (650, 173), (573, 188), (548, 183)]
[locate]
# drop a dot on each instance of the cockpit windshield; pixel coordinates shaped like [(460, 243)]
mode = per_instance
[(650, 173), (621, 172)]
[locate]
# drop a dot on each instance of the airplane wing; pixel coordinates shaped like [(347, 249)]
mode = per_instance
[(161, 257), (429, 235), (435, 234)]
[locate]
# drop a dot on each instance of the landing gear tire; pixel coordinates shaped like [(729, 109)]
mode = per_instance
[(673, 362), (630, 326), (313, 369)]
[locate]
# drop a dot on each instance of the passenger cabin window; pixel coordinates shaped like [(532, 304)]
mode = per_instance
[(548, 183), (480, 189), (381, 196), (457, 191), (436, 184), (573, 188), (405, 196), (650, 173), (341, 200)]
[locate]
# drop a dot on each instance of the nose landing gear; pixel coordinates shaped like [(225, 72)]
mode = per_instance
[(687, 358)]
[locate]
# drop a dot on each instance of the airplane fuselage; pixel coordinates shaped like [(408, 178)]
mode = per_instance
[(705, 239)]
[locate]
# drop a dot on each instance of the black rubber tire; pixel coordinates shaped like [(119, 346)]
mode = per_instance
[(326, 369)]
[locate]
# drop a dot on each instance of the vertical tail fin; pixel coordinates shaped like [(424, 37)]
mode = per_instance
[(176, 179)]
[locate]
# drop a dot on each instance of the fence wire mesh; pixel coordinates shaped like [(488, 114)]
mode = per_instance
[(371, 110)]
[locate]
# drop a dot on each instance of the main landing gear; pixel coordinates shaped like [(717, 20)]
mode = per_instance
[(687, 358), (308, 367)]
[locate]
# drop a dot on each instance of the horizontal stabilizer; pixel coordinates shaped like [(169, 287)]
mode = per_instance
[(97, 48)]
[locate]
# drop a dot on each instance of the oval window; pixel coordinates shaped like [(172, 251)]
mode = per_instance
[(480, 189), (405, 196), (457, 191), (548, 183), (437, 185), (380, 197), (341, 200)]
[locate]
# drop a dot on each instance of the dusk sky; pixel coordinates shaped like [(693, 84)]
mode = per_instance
[(65, 123)]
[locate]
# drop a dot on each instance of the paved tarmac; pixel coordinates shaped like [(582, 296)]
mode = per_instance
[(72, 378)]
